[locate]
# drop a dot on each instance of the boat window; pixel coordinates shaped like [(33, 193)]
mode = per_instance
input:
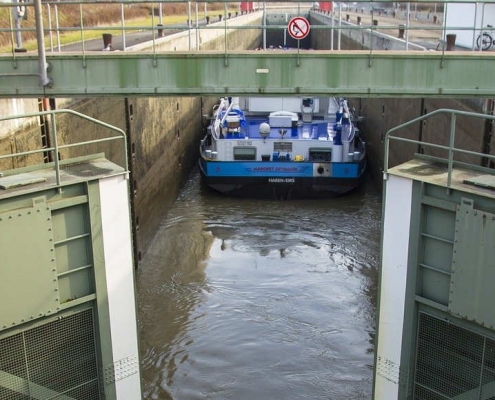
[(320, 154), (244, 153), (283, 147), (307, 102)]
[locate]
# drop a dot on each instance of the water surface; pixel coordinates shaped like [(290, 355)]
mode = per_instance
[(249, 299)]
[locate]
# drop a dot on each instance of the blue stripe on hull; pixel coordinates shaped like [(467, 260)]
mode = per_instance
[(276, 169), (282, 185)]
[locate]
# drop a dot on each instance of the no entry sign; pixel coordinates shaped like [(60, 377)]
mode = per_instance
[(298, 27)]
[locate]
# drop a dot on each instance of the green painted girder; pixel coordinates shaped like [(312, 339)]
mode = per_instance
[(349, 73)]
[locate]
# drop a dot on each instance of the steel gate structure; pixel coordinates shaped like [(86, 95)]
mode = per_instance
[(436, 325)]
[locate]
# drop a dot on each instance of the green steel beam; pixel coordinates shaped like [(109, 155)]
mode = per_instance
[(349, 73)]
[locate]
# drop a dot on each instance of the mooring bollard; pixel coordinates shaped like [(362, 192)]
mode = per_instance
[(107, 41), (160, 30), (359, 20), (451, 42), (401, 31)]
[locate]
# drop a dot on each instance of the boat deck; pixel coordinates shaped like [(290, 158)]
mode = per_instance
[(316, 130)]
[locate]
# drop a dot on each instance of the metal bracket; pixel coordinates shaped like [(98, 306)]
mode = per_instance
[(121, 369), (391, 371)]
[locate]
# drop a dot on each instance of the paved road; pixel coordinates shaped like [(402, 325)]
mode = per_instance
[(131, 38)]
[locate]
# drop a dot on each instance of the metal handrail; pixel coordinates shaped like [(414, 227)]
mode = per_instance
[(336, 14), (450, 148), (55, 149)]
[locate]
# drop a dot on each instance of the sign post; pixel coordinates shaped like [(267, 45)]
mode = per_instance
[(298, 28), (19, 14)]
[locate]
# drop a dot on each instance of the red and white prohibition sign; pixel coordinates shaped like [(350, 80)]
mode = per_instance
[(298, 27)]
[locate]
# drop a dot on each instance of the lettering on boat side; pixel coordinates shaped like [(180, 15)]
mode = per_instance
[(244, 143), (281, 180), (275, 169)]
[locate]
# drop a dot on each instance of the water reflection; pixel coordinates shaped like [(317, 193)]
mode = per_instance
[(248, 299)]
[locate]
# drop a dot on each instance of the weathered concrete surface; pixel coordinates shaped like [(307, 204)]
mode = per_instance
[(381, 115), (381, 38), (164, 138), (212, 38), (26, 139), (10, 107)]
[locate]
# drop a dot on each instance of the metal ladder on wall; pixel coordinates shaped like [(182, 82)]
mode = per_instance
[(44, 105)]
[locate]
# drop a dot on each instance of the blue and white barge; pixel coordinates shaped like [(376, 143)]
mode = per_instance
[(273, 147)]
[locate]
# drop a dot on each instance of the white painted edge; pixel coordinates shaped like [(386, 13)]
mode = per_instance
[(117, 245), (395, 248)]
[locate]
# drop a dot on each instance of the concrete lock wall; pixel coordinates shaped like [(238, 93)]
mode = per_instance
[(381, 115), (353, 39), (212, 38)]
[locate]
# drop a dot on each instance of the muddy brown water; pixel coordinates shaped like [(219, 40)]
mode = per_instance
[(244, 299)]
